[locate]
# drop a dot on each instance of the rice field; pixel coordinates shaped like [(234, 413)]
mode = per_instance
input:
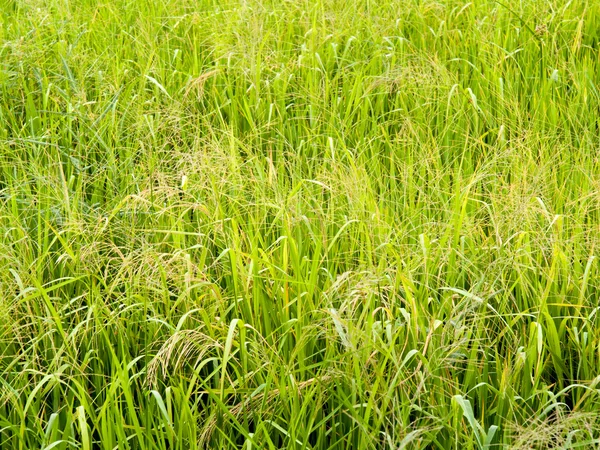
[(308, 224)]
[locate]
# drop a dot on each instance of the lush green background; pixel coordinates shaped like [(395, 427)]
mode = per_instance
[(320, 224)]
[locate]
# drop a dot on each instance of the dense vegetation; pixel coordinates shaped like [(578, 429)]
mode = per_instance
[(324, 224)]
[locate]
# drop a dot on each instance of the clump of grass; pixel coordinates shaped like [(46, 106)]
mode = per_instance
[(325, 225)]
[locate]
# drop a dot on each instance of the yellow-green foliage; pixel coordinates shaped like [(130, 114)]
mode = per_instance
[(311, 224)]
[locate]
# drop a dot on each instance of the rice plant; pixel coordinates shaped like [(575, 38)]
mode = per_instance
[(312, 224)]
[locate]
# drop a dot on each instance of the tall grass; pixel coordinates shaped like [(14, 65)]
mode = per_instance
[(320, 224)]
